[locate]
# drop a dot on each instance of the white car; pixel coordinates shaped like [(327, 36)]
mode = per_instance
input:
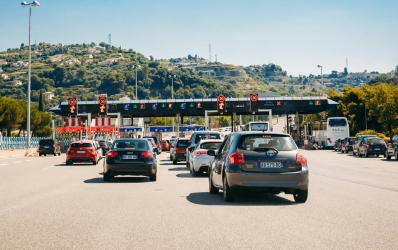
[(200, 161)]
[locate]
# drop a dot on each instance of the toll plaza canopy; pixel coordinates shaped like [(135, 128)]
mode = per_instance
[(197, 107)]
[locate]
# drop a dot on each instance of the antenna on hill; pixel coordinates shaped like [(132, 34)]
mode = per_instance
[(209, 53), (346, 64), (110, 40), (216, 58)]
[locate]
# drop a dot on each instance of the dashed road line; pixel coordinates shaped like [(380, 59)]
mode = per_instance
[(48, 167), (3, 164), (18, 162)]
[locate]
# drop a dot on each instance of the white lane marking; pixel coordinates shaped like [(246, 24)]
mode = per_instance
[(28, 160), (3, 164), (48, 167), (18, 162)]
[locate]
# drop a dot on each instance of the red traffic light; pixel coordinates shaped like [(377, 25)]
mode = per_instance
[(253, 97)]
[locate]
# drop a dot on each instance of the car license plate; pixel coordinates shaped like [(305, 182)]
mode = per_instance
[(129, 157), (46, 146), (81, 152), (377, 148), (270, 165)]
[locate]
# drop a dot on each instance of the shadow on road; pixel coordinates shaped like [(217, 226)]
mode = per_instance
[(242, 199), (74, 164), (188, 175), (119, 180), (179, 169)]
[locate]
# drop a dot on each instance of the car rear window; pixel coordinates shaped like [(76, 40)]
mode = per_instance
[(206, 137), (182, 143), (377, 141), (81, 145), (155, 139), (210, 145), (131, 144), (259, 142), (46, 142)]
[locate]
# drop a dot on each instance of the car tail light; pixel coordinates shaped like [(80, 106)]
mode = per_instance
[(301, 159), (201, 152), (367, 146), (237, 158), (112, 154), (147, 154)]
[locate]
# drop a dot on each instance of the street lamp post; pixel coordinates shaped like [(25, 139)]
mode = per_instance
[(320, 66), (366, 120), (24, 4), (136, 73), (172, 95), (172, 85)]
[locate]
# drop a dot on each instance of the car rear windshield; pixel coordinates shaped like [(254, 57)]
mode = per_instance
[(258, 142), (206, 137), (259, 126), (337, 122), (210, 145), (81, 145), (182, 143), (131, 144), (46, 142), (351, 139), (377, 141)]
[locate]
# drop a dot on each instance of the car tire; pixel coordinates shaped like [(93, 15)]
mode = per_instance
[(187, 164), (346, 151), (39, 154), (59, 154), (388, 157), (45, 154), (68, 163), (55, 154), (107, 177), (396, 155), (194, 173), (227, 192), (152, 177), (212, 188), (377, 155), (174, 162), (300, 196), (366, 154), (94, 162)]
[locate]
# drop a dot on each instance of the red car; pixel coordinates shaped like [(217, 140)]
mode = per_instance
[(165, 145), (82, 151), (180, 148)]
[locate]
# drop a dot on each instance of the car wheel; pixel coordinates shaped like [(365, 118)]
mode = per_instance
[(152, 177), (346, 151), (396, 155), (366, 154), (194, 173), (174, 162), (59, 154), (388, 157), (212, 188), (300, 196), (94, 162), (227, 192), (39, 154), (45, 154), (55, 154), (377, 155), (187, 164), (107, 177), (68, 163)]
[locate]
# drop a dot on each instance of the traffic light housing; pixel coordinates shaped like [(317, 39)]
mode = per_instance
[(221, 103), (72, 101), (253, 102), (102, 102)]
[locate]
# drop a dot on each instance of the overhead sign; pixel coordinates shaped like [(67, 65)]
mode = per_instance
[(102, 105), (160, 129), (72, 102), (130, 129), (221, 103), (190, 128), (253, 102)]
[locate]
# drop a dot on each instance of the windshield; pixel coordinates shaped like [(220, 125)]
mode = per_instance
[(206, 136), (377, 141), (182, 144), (210, 145), (131, 144), (259, 141), (337, 122), (81, 145), (46, 142)]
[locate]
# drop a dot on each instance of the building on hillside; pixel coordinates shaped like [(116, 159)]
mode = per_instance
[(391, 74), (72, 61), (20, 64), (3, 62), (17, 83), (48, 95), (108, 61), (5, 76)]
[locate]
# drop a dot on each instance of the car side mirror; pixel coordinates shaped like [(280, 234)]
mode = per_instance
[(155, 150), (211, 152), (191, 149)]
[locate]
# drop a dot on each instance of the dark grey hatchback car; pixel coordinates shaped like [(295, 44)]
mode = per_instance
[(267, 162)]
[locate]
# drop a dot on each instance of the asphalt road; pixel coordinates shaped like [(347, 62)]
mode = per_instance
[(44, 204)]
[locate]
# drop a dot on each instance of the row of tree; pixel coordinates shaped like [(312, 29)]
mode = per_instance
[(369, 107), (13, 116)]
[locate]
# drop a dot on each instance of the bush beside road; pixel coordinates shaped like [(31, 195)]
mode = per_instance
[(9, 153)]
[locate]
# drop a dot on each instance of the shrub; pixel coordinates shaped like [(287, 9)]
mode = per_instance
[(371, 132)]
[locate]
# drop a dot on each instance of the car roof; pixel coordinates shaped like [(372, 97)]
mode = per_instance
[(83, 141), (211, 140), (258, 133), (183, 139), (206, 132)]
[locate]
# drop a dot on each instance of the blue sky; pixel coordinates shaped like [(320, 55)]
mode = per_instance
[(295, 34)]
